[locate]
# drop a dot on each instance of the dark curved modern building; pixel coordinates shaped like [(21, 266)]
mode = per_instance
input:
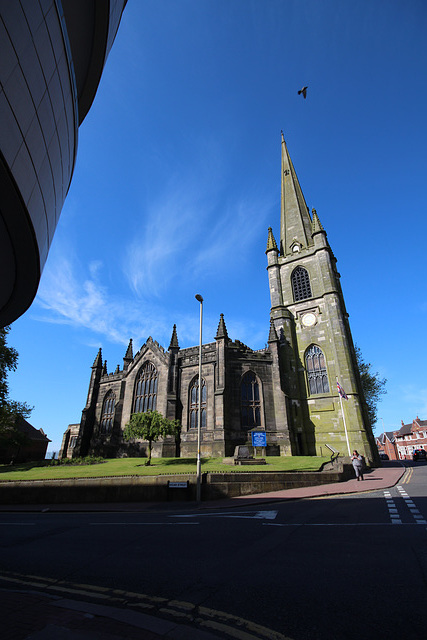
[(52, 56)]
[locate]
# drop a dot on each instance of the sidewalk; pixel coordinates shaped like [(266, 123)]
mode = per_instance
[(374, 480), (31, 615)]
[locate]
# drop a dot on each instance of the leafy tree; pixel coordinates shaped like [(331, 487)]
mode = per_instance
[(151, 426), (373, 386), (10, 410)]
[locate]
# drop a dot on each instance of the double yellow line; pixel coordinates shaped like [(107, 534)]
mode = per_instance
[(228, 625), (407, 477)]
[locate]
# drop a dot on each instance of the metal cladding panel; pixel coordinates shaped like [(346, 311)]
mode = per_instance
[(52, 56), (38, 139), (91, 26)]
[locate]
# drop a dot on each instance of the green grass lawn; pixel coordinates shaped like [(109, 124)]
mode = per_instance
[(159, 466)]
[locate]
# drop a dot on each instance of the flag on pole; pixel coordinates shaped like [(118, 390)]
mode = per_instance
[(341, 391)]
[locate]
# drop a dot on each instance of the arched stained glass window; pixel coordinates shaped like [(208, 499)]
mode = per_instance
[(317, 375), (108, 413), (194, 404), (250, 403), (146, 389), (301, 288)]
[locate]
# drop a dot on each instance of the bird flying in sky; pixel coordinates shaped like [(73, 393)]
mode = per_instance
[(303, 91)]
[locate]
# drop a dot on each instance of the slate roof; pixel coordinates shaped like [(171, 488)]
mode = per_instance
[(31, 432), (389, 434), (405, 430)]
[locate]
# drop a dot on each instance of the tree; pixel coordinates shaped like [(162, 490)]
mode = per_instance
[(373, 386), (10, 410), (151, 426)]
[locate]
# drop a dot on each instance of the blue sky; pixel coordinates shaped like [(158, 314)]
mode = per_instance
[(178, 178)]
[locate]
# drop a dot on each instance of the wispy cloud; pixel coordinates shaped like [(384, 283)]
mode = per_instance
[(162, 248), (196, 227), (73, 295), (231, 238), (186, 236), (84, 302), (189, 234)]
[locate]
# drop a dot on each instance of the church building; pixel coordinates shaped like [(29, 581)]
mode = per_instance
[(290, 389)]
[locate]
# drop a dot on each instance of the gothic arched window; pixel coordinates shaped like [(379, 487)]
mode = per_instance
[(194, 404), (317, 375), (107, 415), (146, 389), (300, 284), (250, 403)]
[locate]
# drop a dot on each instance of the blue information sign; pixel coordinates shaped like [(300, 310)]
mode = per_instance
[(259, 439)]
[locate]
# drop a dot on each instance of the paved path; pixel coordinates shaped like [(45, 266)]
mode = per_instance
[(36, 616)]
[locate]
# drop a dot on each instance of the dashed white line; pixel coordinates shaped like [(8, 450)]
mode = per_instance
[(414, 511)]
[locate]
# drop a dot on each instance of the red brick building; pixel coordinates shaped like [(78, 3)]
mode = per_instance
[(386, 443), (411, 436)]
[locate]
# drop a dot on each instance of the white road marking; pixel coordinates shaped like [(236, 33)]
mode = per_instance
[(340, 524), (103, 524), (251, 515), (392, 509), (418, 517)]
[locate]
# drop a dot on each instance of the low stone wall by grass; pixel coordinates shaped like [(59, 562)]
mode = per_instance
[(157, 488)]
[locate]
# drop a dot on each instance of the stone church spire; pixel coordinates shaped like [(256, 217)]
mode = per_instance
[(174, 339), (271, 242), (128, 356), (295, 222), (97, 363), (222, 329), (316, 224)]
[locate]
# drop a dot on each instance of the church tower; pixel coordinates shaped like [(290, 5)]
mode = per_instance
[(310, 318)]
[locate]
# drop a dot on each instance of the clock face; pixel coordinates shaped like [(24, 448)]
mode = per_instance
[(309, 319)]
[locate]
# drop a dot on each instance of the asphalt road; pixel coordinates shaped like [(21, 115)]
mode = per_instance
[(318, 569)]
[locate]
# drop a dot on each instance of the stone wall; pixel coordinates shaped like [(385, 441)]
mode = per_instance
[(156, 488)]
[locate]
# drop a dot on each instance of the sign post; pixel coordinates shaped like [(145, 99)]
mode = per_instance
[(259, 439)]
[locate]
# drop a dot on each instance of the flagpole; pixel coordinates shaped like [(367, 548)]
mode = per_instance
[(343, 418)]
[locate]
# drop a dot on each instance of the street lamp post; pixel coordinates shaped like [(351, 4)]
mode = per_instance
[(199, 413)]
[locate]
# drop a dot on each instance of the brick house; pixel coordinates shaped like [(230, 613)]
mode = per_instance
[(411, 436), (386, 443), (30, 447)]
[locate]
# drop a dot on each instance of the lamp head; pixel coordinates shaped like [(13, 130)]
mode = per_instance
[(198, 297)]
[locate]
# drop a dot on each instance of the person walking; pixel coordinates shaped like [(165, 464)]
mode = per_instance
[(357, 462)]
